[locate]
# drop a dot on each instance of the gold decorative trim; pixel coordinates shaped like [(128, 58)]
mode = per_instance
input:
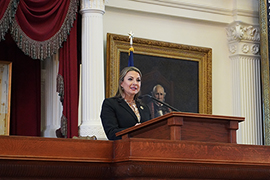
[(5, 96), (265, 70)]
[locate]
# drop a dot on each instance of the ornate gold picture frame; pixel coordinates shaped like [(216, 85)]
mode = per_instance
[(5, 96), (185, 71), (265, 71)]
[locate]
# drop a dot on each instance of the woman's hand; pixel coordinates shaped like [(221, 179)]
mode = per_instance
[(137, 124)]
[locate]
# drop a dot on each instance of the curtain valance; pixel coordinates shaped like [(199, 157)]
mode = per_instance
[(39, 27), (7, 12)]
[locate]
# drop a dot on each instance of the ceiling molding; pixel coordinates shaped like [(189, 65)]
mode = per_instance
[(213, 12)]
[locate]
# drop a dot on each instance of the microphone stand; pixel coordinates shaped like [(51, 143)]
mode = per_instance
[(167, 105)]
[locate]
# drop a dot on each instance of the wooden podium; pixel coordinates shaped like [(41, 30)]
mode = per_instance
[(187, 126)]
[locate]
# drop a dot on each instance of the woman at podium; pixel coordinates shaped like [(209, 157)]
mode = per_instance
[(124, 110)]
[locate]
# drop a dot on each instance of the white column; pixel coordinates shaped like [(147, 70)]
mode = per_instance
[(244, 41), (52, 109), (92, 92)]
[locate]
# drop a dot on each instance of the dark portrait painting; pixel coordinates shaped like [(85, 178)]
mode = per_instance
[(185, 72), (179, 78)]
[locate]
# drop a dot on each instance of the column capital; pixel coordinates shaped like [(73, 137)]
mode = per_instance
[(243, 39), (93, 5), (239, 31)]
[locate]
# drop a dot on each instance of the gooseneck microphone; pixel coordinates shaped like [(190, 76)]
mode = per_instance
[(155, 99)]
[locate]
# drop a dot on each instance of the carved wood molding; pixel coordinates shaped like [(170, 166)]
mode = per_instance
[(48, 158)]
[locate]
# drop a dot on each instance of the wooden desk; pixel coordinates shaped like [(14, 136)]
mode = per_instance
[(130, 159), (51, 158), (157, 159)]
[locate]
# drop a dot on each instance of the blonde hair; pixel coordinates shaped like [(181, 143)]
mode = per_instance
[(122, 75)]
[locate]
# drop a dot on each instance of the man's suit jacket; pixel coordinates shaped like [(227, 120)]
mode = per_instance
[(116, 115)]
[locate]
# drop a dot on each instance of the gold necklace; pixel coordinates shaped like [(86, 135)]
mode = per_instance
[(130, 103)]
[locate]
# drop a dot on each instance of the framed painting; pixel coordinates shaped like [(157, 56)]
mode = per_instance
[(184, 71), (5, 96)]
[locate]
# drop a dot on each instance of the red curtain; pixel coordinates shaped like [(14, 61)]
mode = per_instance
[(39, 30), (3, 7), (40, 27), (41, 19), (68, 70), (25, 90)]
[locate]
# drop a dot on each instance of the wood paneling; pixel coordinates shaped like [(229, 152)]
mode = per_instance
[(134, 158), (187, 126)]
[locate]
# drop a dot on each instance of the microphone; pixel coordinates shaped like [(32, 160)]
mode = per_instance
[(165, 104)]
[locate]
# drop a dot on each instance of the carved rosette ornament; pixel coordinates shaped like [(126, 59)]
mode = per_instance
[(243, 39), (255, 49)]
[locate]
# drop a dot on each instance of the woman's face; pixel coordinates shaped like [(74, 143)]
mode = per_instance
[(131, 83)]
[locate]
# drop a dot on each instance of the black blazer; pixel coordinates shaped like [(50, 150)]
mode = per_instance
[(116, 115)]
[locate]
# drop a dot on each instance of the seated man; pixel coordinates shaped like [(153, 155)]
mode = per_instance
[(158, 109)]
